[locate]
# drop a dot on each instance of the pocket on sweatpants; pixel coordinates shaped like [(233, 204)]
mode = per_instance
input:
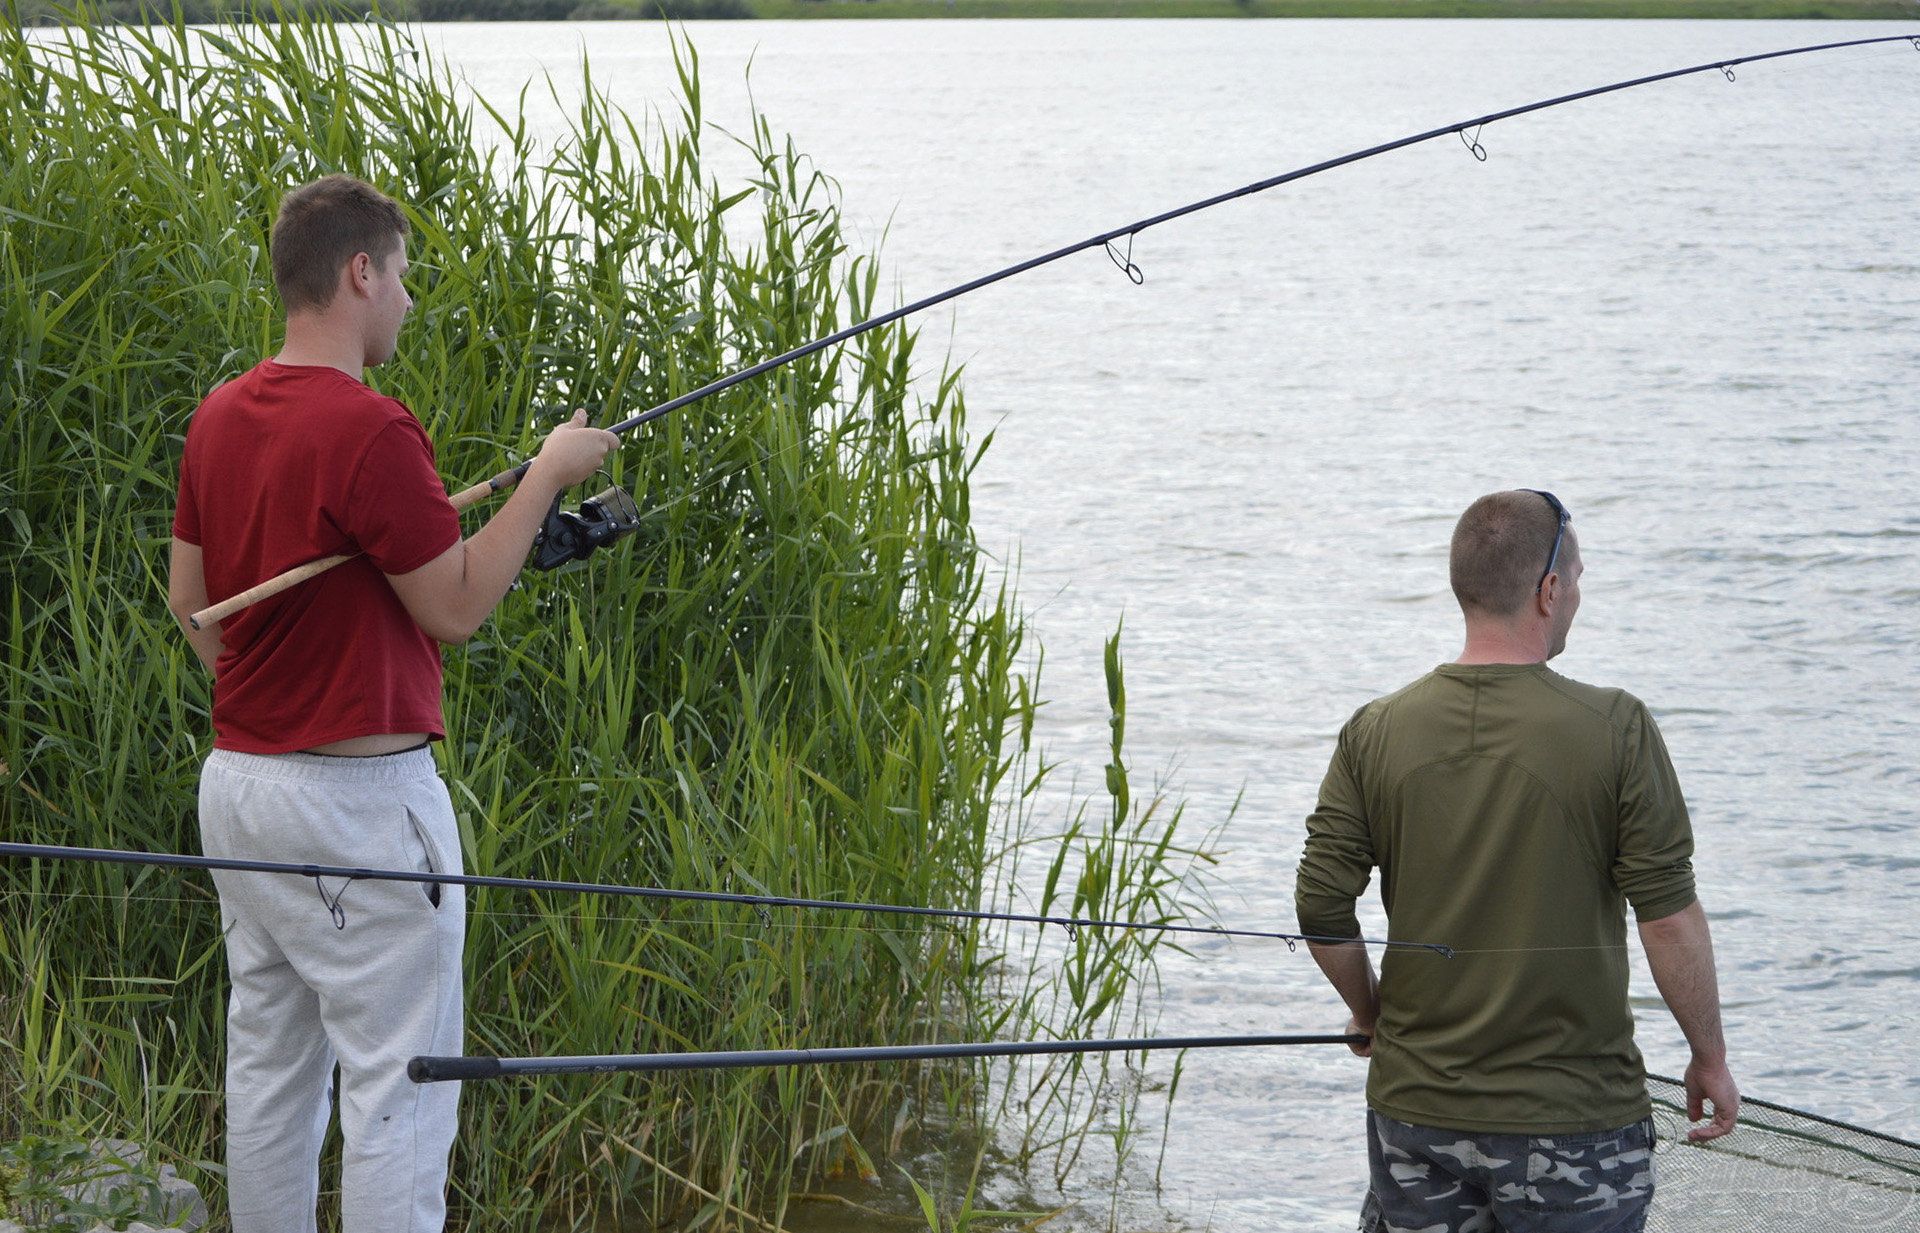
[(424, 853)]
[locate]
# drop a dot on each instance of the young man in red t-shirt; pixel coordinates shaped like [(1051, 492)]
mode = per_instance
[(325, 700)]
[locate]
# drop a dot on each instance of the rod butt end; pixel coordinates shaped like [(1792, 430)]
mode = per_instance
[(445, 1069)]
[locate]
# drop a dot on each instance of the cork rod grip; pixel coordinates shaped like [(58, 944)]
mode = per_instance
[(312, 569), (272, 586), (485, 488)]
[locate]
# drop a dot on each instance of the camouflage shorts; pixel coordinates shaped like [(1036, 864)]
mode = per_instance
[(1427, 1180)]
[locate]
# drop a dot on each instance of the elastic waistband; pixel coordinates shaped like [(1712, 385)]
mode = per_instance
[(399, 768)]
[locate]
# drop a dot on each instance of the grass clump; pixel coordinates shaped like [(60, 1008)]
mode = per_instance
[(797, 679)]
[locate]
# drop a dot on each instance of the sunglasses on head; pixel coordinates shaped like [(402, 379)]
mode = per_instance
[(1553, 557)]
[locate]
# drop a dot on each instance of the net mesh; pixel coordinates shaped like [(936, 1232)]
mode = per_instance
[(1780, 1169)]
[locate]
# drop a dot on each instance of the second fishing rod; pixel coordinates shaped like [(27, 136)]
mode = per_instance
[(349, 874), (605, 515)]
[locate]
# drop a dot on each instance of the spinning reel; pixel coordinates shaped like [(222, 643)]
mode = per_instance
[(574, 535)]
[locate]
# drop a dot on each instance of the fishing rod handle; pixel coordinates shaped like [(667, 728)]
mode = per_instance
[(272, 586), (464, 499), (468, 497)]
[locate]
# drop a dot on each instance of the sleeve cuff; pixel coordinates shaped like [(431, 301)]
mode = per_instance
[(1664, 904), (1329, 921), (408, 564)]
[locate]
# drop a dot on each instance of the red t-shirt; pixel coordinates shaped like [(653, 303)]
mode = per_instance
[(283, 465)]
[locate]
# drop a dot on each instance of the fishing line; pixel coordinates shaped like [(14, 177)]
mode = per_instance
[(1105, 240), (350, 874)]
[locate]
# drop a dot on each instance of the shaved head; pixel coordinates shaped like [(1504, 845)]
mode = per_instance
[(1500, 545)]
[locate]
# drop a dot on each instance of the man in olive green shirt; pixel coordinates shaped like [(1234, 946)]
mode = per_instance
[(1512, 813)]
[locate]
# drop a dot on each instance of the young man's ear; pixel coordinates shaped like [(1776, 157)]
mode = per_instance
[(358, 273)]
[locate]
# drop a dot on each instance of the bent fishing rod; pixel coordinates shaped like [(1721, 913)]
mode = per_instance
[(1468, 131), (351, 874)]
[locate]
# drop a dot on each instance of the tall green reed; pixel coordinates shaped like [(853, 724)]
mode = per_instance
[(798, 678)]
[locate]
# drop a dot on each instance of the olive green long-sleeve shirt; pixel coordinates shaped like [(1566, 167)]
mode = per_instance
[(1513, 813)]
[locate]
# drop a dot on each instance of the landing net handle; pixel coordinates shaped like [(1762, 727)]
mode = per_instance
[(445, 1069)]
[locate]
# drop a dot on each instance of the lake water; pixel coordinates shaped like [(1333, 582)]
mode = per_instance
[(1691, 310)]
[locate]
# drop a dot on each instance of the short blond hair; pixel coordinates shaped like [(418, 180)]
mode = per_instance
[(1500, 545), (322, 226)]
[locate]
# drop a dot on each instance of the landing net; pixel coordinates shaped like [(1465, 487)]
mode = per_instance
[(1780, 1169)]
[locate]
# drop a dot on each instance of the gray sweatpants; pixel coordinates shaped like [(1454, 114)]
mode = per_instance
[(362, 974)]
